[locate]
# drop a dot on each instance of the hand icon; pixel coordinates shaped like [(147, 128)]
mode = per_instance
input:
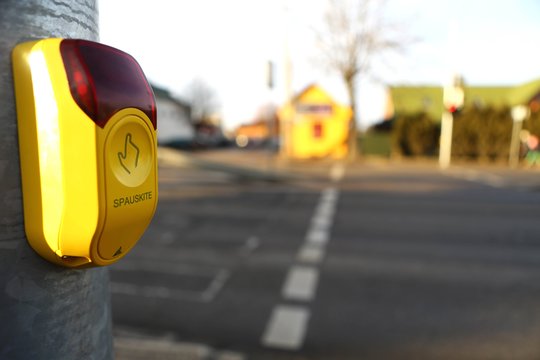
[(129, 159)]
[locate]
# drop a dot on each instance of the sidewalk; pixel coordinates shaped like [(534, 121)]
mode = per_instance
[(133, 345)]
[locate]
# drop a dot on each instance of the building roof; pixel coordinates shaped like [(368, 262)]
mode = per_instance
[(313, 93), (162, 93), (313, 100), (524, 93), (415, 99)]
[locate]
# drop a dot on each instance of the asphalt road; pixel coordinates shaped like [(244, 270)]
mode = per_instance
[(363, 261)]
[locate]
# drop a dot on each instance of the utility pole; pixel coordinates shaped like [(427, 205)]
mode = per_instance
[(46, 312), (445, 148), (453, 99), (285, 143), (519, 114)]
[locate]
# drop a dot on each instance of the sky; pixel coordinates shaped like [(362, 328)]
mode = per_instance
[(229, 43)]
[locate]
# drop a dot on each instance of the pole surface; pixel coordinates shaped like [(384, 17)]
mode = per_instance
[(46, 311), (445, 148), (515, 142)]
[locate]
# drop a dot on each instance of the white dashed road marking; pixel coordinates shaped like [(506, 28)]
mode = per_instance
[(301, 283), (315, 236), (311, 253), (286, 328)]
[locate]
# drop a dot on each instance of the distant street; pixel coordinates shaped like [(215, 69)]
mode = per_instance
[(371, 260)]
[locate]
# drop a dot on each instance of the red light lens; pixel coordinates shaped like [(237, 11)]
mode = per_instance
[(104, 80)]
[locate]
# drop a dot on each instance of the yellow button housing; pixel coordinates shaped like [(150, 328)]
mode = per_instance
[(89, 191), (130, 189)]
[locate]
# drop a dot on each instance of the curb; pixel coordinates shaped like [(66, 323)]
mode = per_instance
[(131, 345)]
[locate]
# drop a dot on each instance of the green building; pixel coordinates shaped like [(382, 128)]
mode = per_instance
[(411, 101), (406, 100)]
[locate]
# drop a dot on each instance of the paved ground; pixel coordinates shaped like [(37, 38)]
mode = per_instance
[(371, 260)]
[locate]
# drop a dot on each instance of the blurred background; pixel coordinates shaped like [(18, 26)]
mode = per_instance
[(339, 179), (227, 46)]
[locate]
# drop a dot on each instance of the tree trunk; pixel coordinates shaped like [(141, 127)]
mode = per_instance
[(353, 128)]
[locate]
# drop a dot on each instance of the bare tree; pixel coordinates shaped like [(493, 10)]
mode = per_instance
[(352, 35), (203, 100)]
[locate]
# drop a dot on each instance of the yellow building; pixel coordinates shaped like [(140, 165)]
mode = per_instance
[(314, 126)]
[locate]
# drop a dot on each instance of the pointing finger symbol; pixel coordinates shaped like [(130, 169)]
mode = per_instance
[(129, 158)]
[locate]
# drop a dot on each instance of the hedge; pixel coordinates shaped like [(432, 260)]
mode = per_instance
[(415, 135), (478, 133)]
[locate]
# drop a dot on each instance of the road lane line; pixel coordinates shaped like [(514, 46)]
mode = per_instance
[(326, 209), (161, 292), (323, 218), (316, 236), (216, 285), (321, 222), (301, 283), (311, 253), (330, 193), (287, 327)]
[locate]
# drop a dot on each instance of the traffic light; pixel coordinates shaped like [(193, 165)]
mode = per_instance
[(452, 109), (454, 95)]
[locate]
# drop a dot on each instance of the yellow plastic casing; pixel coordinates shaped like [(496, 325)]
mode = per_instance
[(89, 193)]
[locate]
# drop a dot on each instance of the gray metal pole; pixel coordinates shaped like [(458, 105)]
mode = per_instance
[(46, 312)]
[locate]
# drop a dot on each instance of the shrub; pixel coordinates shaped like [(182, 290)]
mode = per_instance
[(478, 133), (533, 123), (482, 133), (415, 135)]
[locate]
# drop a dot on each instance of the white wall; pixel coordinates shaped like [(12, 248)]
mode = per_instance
[(173, 122)]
